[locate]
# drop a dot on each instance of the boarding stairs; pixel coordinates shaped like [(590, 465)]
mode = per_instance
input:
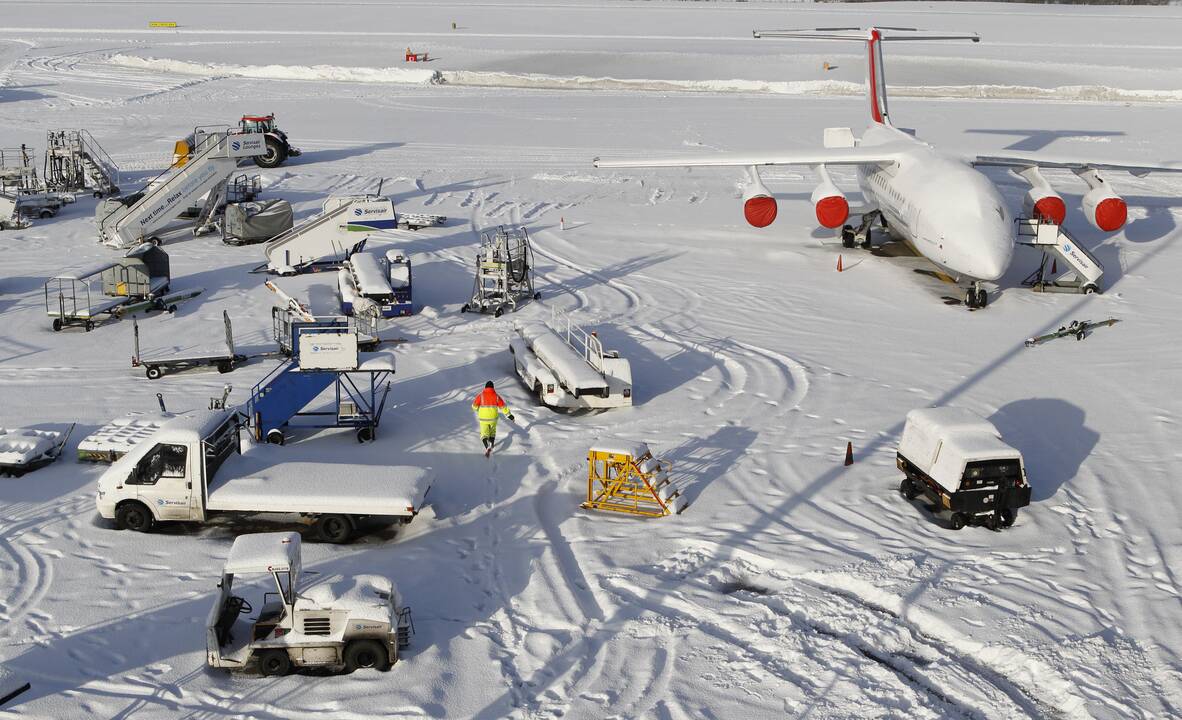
[(1083, 270), (212, 162), (313, 239), (283, 393), (75, 162)]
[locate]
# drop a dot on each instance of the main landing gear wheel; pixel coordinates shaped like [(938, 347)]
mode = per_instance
[(847, 236)]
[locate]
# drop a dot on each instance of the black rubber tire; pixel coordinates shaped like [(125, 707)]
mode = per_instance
[(366, 654), (57, 325), (97, 195), (274, 663), (464, 308), (499, 312), (134, 516), (276, 153), (982, 298), (335, 529), (970, 300), (154, 372), (365, 434), (45, 214), (157, 242), (275, 437), (538, 295), (1008, 516), (908, 488), (170, 309), (958, 521), (225, 366), (89, 325)]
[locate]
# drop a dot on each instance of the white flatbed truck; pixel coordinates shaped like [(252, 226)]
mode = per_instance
[(338, 624), (193, 469)]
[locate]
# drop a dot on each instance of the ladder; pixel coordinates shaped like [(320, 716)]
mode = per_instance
[(1083, 270), (74, 161)]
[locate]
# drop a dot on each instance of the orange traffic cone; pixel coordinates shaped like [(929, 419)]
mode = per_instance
[(849, 454), (839, 263)]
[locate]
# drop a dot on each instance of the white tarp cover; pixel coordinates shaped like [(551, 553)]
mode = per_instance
[(570, 367), (263, 552)]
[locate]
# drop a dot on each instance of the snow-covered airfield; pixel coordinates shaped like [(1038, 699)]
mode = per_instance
[(792, 586)]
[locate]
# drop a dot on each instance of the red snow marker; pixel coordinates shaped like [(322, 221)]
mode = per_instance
[(839, 263), (849, 454)]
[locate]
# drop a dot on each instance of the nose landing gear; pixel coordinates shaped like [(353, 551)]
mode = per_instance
[(975, 298)]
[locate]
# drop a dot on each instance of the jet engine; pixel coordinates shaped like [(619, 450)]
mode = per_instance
[(1044, 204), (1105, 209), (759, 207), (1041, 201), (830, 205)]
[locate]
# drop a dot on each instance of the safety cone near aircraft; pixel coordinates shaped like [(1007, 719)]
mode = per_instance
[(938, 203)]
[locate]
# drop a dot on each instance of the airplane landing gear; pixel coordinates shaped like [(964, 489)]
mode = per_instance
[(860, 236), (975, 298)]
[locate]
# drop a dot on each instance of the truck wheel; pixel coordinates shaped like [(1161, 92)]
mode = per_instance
[(334, 529), (45, 214), (366, 654), (275, 437), (153, 372), (958, 521), (276, 153), (274, 663), (134, 516), (1008, 516)]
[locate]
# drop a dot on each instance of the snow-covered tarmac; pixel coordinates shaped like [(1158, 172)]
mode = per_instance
[(792, 586)]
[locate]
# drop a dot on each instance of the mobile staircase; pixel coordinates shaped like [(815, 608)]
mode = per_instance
[(324, 354), (1083, 269), (75, 162), (178, 188), (342, 227)]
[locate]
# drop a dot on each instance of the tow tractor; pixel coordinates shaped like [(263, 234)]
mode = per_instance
[(338, 624), (278, 148)]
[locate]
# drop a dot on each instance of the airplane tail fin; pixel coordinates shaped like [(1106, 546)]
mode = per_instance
[(873, 37)]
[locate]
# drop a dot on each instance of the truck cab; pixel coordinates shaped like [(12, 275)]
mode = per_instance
[(338, 623), (162, 478)]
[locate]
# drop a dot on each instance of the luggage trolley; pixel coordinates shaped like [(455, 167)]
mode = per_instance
[(504, 271)]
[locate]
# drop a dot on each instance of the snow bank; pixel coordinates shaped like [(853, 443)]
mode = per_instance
[(539, 81)]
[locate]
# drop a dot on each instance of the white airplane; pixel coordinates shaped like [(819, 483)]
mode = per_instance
[(937, 203)]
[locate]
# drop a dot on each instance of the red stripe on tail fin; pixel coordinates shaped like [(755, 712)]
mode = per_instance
[(875, 80)]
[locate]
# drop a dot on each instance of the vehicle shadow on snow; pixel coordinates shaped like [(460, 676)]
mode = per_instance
[(1052, 437), (308, 157)]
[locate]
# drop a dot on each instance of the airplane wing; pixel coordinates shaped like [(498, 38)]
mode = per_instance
[(1025, 160), (821, 156)]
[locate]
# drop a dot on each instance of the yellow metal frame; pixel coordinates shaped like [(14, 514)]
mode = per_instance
[(616, 483)]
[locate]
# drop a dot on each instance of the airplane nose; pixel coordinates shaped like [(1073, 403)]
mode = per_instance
[(994, 262)]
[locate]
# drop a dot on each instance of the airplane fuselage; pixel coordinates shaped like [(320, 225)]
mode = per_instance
[(940, 205)]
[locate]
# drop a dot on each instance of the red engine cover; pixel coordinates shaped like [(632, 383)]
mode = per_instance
[(760, 210), (1111, 214), (1051, 208), (832, 211)]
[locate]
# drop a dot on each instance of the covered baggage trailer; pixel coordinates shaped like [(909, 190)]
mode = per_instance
[(960, 463), (567, 367), (83, 296)]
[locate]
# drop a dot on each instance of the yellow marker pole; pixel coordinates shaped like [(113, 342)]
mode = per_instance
[(161, 24)]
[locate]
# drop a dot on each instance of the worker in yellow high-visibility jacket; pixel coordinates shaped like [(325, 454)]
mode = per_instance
[(487, 406)]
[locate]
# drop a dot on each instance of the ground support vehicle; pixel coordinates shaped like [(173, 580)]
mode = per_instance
[(194, 469), (567, 367), (340, 624)]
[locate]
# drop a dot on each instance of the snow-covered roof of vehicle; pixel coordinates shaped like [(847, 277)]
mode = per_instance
[(568, 365), (368, 274), (194, 426), (264, 552), (399, 275), (339, 592), (945, 420)]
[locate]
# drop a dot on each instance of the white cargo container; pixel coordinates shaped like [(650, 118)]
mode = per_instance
[(960, 463)]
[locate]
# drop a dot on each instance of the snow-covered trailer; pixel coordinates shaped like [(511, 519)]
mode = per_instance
[(959, 462), (193, 469), (567, 367)]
